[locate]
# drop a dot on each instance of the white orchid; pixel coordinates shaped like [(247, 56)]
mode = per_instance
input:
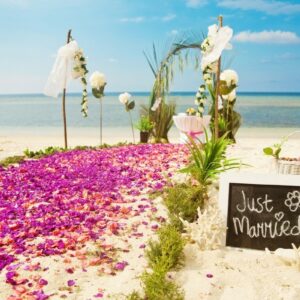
[(217, 40), (156, 104)]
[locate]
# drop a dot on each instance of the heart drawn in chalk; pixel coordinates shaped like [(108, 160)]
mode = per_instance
[(279, 216)]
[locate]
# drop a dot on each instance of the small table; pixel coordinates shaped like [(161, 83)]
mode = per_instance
[(192, 126)]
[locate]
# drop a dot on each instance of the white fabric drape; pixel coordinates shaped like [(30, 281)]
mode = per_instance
[(61, 72), (220, 40)]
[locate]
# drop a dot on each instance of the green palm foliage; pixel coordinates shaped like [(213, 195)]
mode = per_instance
[(209, 159), (177, 55)]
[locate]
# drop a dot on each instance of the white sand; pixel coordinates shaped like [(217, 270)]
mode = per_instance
[(237, 274)]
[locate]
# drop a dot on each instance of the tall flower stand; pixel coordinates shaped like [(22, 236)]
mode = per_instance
[(192, 126)]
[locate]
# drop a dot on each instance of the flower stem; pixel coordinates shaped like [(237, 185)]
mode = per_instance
[(100, 121), (131, 126)]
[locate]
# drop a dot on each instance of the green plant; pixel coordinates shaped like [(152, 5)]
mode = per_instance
[(209, 159), (158, 287), (275, 150), (163, 71), (182, 201), (12, 160), (166, 253), (144, 124), (134, 296), (43, 152)]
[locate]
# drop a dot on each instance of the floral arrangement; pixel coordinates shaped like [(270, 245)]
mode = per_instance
[(98, 83), (201, 100), (191, 111), (211, 48), (125, 98), (80, 71)]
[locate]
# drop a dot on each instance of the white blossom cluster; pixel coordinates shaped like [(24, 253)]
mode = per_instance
[(201, 100), (79, 71)]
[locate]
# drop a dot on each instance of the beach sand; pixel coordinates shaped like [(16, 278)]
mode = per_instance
[(236, 274)]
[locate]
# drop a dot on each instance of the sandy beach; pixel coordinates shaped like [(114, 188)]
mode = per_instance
[(225, 273)]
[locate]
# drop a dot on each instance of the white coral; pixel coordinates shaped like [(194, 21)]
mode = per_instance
[(288, 257), (209, 229)]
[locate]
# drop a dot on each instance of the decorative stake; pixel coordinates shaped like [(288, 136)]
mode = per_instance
[(220, 19), (64, 102)]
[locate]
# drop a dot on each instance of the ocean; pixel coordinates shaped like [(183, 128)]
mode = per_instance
[(32, 111)]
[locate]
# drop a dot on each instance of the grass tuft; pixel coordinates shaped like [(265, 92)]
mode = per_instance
[(182, 201), (158, 287), (167, 252)]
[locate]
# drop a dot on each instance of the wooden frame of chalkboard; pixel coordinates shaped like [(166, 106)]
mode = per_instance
[(262, 210)]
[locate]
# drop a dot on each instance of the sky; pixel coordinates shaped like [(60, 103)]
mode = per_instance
[(114, 33)]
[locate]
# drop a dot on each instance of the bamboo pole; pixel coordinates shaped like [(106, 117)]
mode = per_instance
[(64, 103), (216, 120)]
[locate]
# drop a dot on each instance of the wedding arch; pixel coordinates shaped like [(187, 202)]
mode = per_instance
[(163, 72)]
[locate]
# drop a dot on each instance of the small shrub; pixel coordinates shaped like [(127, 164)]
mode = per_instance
[(167, 252), (182, 201), (209, 159), (12, 160), (158, 287), (134, 296)]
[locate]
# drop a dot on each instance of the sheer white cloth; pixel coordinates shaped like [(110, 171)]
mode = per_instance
[(220, 40), (61, 72), (191, 125)]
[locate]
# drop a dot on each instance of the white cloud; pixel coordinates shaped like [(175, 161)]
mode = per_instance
[(196, 3), (270, 37), (168, 17), (271, 7), (132, 20)]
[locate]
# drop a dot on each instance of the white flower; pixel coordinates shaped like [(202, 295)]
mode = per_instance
[(219, 39), (201, 90), (200, 109), (206, 77), (196, 102), (124, 98), (230, 97), (97, 80), (209, 81), (230, 76), (198, 95), (202, 101), (156, 104)]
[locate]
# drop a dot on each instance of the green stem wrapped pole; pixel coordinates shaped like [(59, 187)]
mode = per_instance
[(132, 126), (100, 100), (64, 103)]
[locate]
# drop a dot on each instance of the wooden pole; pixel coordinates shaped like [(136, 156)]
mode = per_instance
[(216, 121), (64, 103)]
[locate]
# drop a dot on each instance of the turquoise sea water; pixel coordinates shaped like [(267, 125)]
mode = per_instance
[(25, 111)]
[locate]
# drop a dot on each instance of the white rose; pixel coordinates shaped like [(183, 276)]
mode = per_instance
[(124, 98), (97, 80), (230, 76), (231, 96)]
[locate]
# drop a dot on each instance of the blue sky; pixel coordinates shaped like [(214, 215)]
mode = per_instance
[(114, 33)]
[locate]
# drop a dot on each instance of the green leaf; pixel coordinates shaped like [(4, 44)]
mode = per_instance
[(130, 105), (98, 93), (268, 151)]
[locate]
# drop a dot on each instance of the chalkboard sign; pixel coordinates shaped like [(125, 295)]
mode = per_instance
[(262, 215)]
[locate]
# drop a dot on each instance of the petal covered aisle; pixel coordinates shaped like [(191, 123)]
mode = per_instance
[(81, 211)]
